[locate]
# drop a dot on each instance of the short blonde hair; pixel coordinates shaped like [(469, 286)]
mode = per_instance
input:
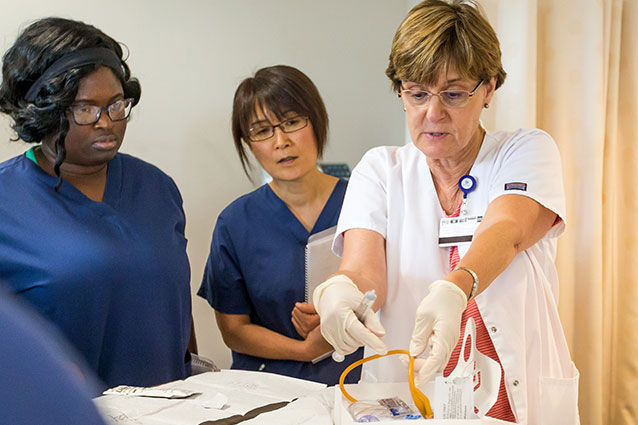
[(437, 34)]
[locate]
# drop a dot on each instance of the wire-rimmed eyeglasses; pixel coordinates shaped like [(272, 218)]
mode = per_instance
[(450, 98), (90, 114), (265, 132)]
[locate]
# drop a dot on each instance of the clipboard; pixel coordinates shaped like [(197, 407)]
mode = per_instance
[(320, 261)]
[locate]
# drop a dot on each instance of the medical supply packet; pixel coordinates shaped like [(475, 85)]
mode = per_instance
[(376, 391), (150, 392), (454, 398), (381, 410)]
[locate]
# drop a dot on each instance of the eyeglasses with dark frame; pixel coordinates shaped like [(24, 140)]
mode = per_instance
[(90, 114), (450, 98), (260, 133)]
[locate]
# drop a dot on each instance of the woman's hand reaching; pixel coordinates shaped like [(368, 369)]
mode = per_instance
[(438, 326)]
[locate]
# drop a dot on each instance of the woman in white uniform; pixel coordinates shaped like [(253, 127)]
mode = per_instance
[(456, 232)]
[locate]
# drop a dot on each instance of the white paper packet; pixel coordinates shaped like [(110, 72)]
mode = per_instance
[(150, 392)]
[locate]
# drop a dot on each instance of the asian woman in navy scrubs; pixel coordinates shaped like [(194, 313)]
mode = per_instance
[(254, 278), (92, 238)]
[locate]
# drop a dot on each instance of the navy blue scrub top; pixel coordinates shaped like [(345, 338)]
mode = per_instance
[(112, 275), (39, 382), (256, 267)]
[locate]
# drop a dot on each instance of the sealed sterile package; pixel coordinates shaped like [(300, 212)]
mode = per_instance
[(381, 410), (150, 392)]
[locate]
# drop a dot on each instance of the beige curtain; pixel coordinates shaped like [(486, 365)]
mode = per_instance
[(573, 71)]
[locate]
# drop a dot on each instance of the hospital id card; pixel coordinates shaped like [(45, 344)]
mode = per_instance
[(455, 231)]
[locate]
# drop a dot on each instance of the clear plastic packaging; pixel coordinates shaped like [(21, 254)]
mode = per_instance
[(381, 410)]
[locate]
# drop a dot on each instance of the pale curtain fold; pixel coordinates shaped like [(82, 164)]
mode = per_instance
[(573, 71)]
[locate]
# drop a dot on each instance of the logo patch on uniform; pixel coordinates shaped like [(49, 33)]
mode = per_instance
[(516, 186)]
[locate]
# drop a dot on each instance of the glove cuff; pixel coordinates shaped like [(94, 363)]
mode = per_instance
[(334, 280), (446, 285)]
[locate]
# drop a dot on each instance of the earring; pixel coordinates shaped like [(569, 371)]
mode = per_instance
[(487, 105), (404, 110)]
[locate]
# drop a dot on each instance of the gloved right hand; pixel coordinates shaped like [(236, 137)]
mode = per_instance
[(437, 325), (335, 300)]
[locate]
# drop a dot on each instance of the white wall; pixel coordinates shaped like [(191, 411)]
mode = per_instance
[(190, 56)]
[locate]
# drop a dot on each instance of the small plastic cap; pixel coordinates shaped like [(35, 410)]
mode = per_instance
[(338, 357), (371, 295)]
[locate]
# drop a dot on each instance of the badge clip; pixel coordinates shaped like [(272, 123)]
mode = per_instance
[(467, 184)]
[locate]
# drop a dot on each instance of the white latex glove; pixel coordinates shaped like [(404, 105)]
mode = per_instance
[(437, 324), (335, 300)]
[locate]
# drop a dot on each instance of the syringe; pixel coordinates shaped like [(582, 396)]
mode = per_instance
[(366, 302)]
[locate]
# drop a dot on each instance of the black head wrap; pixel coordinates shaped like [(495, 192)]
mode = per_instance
[(91, 56)]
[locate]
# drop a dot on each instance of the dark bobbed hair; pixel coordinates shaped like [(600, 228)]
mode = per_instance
[(437, 34), (278, 89), (34, 51)]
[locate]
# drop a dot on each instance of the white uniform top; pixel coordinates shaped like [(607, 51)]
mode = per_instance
[(391, 192)]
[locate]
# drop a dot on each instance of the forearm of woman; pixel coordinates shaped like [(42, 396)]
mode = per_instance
[(511, 224), (244, 337), (364, 262)]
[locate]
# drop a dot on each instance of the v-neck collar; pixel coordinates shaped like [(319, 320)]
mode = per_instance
[(483, 151), (289, 220), (111, 189)]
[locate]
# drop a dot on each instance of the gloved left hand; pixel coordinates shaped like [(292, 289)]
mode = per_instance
[(438, 322), (335, 301)]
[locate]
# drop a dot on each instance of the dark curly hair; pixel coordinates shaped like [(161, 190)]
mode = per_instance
[(35, 50), (280, 89)]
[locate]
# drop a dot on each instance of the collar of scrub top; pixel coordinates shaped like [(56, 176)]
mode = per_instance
[(467, 184), (420, 400)]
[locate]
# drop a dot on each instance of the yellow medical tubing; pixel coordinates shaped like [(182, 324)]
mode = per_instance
[(420, 400)]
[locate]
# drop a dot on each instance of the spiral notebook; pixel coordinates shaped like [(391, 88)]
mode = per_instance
[(321, 262)]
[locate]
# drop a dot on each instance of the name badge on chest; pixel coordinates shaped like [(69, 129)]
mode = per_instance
[(459, 230)]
